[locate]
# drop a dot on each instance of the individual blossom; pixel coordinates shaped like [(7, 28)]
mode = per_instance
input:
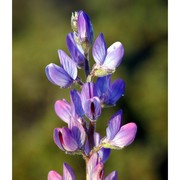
[(70, 111), (118, 136), (107, 59), (90, 101), (63, 75), (75, 50), (110, 93), (70, 139), (68, 174)]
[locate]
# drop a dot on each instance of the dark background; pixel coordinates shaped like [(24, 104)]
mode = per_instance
[(39, 30)]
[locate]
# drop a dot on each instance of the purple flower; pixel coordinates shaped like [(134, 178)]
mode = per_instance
[(90, 101), (68, 112), (85, 28), (75, 50), (106, 59), (70, 139), (110, 92), (64, 75), (68, 174), (118, 137)]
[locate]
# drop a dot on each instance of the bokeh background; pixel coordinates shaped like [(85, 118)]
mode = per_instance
[(39, 30)]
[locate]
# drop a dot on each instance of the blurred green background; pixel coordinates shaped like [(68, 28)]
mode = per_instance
[(39, 30)]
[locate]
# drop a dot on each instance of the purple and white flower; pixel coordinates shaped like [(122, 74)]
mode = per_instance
[(90, 101), (68, 112), (107, 59), (118, 136), (70, 139), (63, 75)]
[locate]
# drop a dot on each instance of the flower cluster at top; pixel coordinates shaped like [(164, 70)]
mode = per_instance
[(84, 109)]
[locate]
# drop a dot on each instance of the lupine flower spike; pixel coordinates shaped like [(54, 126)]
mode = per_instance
[(81, 114)]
